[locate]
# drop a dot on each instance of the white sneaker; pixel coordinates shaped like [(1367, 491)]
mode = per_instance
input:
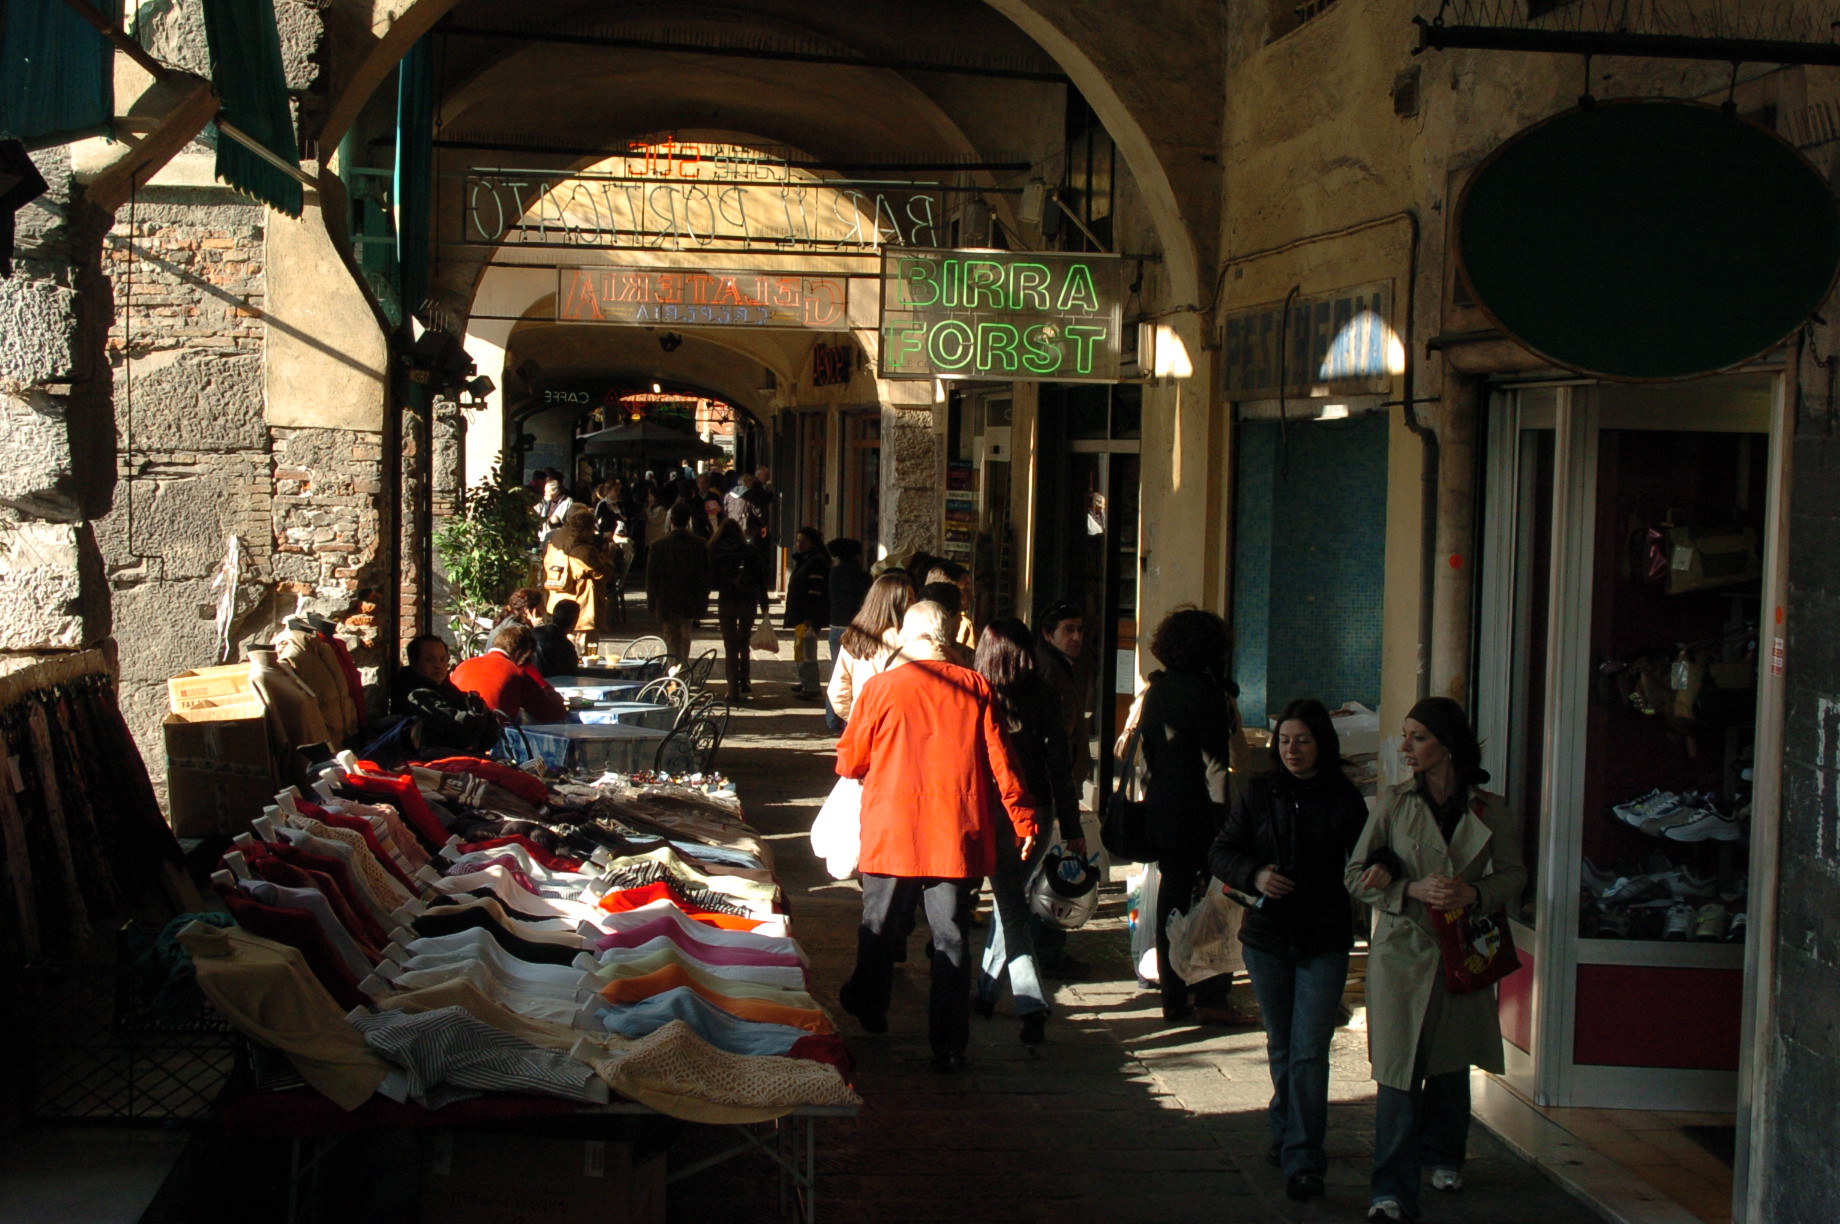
[(1679, 922), (1656, 803), (1447, 1179), (1709, 827), (1384, 1210), (1710, 923)]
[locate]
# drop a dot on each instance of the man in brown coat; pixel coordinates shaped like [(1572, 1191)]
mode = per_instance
[(677, 581)]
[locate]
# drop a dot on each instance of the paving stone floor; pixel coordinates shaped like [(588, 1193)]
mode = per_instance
[(1116, 1120)]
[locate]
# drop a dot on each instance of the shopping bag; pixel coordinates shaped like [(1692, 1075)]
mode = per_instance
[(1143, 890), (1204, 942), (836, 834), (1124, 829), (1478, 949), (764, 641)]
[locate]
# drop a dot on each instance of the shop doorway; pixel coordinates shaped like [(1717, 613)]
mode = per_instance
[(1627, 535), (1086, 538), (862, 479)]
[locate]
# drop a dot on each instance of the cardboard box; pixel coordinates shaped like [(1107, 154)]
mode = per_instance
[(208, 687), (474, 1178), (220, 771)]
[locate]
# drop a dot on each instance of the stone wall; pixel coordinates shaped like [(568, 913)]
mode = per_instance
[(912, 457), (198, 461)]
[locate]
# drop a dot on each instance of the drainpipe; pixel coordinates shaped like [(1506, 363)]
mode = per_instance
[(1428, 471)]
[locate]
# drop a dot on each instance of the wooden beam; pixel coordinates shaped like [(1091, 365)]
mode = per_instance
[(192, 104)]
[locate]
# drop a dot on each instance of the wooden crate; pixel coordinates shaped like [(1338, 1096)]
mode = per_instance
[(210, 688)]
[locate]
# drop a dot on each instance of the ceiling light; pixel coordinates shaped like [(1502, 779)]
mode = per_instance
[(657, 389)]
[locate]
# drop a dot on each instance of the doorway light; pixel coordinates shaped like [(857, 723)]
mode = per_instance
[(1333, 412), (657, 389)]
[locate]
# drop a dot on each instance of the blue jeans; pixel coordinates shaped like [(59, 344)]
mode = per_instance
[(1427, 1127), (1009, 947), (1300, 998), (831, 722)]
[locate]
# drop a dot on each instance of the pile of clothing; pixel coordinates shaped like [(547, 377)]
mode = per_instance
[(462, 930)]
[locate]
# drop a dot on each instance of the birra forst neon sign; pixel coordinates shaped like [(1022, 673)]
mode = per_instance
[(1021, 316)]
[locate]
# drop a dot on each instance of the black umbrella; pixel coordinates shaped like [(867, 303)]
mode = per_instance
[(649, 440)]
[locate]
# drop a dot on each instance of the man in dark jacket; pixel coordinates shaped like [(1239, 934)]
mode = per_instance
[(808, 607), (849, 586), (677, 582), (1059, 657), (556, 655)]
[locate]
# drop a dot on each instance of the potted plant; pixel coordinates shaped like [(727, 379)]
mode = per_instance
[(486, 551)]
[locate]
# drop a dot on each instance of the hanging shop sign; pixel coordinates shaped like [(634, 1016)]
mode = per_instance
[(1022, 316), (1336, 343), (669, 195), (707, 298), (1648, 239)]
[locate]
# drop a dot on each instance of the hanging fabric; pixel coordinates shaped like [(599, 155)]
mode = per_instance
[(20, 183), (246, 70), (56, 72)]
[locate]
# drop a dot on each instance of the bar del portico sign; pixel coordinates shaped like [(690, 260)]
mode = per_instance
[(1021, 316), (694, 297)]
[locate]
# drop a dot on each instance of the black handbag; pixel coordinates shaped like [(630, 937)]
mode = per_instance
[(1124, 828)]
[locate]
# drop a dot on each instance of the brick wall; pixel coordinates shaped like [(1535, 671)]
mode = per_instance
[(198, 461)]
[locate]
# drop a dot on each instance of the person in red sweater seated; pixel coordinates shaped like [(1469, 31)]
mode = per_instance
[(504, 679)]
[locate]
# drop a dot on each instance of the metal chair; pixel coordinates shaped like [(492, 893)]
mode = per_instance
[(697, 673), (706, 738), (648, 647), (677, 753), (665, 690)]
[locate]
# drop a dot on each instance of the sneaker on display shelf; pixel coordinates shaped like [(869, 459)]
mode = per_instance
[(1630, 890), (1613, 924), (1596, 879), (1679, 923), (1736, 928), (1685, 814), (1709, 827), (1710, 922), (1654, 804), (1686, 885)]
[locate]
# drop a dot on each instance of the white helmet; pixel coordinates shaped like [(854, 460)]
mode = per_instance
[(1064, 888)]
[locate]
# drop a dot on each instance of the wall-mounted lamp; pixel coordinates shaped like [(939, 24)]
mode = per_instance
[(1034, 197)]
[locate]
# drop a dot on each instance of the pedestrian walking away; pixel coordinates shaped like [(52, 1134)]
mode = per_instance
[(924, 738), (1286, 841), (1029, 715), (808, 607), (1438, 841)]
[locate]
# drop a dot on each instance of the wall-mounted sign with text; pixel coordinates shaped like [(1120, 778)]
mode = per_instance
[(1022, 316), (1340, 343), (713, 298)]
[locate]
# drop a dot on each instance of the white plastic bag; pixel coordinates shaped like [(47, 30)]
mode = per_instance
[(1204, 942), (836, 834), (1143, 889), (764, 640)]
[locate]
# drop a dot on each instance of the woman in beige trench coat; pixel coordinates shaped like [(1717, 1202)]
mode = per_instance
[(574, 565), (1438, 841)]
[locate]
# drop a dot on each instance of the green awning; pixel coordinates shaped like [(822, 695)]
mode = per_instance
[(246, 70), (56, 77)]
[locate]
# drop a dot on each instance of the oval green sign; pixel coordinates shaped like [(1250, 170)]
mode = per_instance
[(1648, 240)]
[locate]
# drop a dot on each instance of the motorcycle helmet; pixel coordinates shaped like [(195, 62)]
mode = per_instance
[(1064, 888)]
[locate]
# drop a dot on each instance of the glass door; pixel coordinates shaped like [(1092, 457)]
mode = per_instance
[(1623, 565)]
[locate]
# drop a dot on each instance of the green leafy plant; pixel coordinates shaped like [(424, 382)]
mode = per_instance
[(486, 550)]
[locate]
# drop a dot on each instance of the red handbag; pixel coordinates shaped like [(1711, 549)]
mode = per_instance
[(1478, 949)]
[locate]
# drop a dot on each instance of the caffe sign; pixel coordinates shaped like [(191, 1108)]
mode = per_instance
[(1021, 316)]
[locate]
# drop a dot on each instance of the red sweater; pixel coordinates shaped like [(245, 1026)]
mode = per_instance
[(509, 689)]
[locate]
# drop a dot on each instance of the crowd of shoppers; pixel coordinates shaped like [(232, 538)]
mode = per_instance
[(969, 771)]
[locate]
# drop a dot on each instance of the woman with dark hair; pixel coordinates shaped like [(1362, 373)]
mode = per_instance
[(1186, 727), (739, 580), (1026, 708), (524, 606), (1436, 842), (1287, 841), (808, 607), (872, 636)]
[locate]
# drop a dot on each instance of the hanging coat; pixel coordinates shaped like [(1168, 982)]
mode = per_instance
[(1405, 970)]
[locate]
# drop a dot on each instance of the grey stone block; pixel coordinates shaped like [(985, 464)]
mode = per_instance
[(192, 401), (36, 476), (38, 327), (52, 593)]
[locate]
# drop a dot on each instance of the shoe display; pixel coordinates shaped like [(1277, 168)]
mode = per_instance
[(1679, 923), (1304, 1185), (1652, 806), (1710, 826), (1736, 927), (1710, 922), (1596, 879), (1448, 1180)]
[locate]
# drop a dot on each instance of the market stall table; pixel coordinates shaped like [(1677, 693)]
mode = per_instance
[(629, 713)]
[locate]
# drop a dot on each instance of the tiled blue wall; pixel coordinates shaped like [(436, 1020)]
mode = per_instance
[(1310, 567)]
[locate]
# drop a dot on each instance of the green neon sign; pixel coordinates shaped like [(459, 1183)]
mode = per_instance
[(1020, 316)]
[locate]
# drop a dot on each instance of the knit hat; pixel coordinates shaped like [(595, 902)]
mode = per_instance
[(1449, 725)]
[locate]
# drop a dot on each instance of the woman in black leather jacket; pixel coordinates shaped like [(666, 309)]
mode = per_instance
[(1287, 842), (1186, 729)]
